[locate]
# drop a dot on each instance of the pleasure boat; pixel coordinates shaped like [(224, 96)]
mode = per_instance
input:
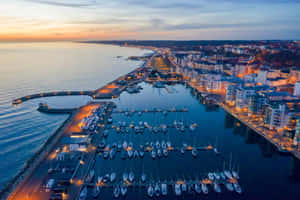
[(125, 145), (237, 188), (83, 194), (113, 176), (168, 144), (235, 174), (159, 153), (123, 190), (177, 189), (130, 153), (228, 174), (157, 144), (142, 153), (150, 191), (157, 189), (163, 144), (182, 150), (184, 187), (204, 188), (164, 189), (131, 176), (117, 191), (194, 152), (229, 186), (136, 154), (217, 176), (153, 154), (106, 178), (165, 152), (96, 191), (143, 177), (197, 188), (109, 120), (125, 176), (217, 188), (211, 176)]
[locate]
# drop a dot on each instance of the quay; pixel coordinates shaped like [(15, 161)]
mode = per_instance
[(158, 110), (44, 108)]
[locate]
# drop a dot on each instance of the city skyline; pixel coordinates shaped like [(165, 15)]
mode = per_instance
[(43, 20)]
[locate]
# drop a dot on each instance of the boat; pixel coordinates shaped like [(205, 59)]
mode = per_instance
[(228, 174), (90, 176), (136, 154), (131, 176), (117, 191), (217, 188), (150, 191), (222, 175), (139, 113), (105, 154), (183, 187), (125, 145), (237, 188), (164, 189), (113, 176), (157, 144), (217, 176), (109, 120), (235, 174), (165, 152), (157, 190), (163, 144), (83, 194), (182, 150), (143, 177), (165, 112), (168, 144), (159, 153), (130, 153), (123, 190), (177, 189), (124, 154), (100, 179), (197, 188), (125, 176), (112, 153), (119, 146), (142, 153), (153, 154), (229, 186), (194, 152), (102, 144), (96, 191), (193, 127), (211, 176), (182, 128), (127, 130), (105, 133), (106, 178), (204, 188)]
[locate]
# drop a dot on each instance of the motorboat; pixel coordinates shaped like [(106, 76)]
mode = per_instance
[(125, 145), (159, 154), (217, 188), (211, 176), (164, 189), (131, 176), (150, 191), (222, 175), (237, 188), (106, 178), (235, 174), (168, 144), (229, 186), (96, 191), (163, 144), (143, 177), (90, 176), (123, 190), (117, 191), (204, 188), (217, 176), (184, 187), (157, 189), (165, 152), (177, 189), (197, 188), (153, 154), (125, 176), (157, 144), (113, 177), (109, 120)]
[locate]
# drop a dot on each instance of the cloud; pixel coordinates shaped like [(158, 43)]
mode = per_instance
[(75, 4)]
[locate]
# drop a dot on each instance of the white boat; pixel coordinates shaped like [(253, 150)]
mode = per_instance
[(204, 188), (217, 188), (164, 189), (182, 150), (217, 176), (229, 187), (165, 152), (96, 191), (235, 174), (136, 154), (90, 176), (125, 176), (131, 176), (50, 185), (183, 187), (197, 188), (100, 179), (109, 120), (153, 154), (130, 153), (237, 188), (142, 153), (150, 191), (113, 177), (117, 191), (83, 194), (143, 177), (228, 174), (177, 189), (222, 175), (211, 176), (157, 144), (159, 153), (123, 190), (194, 152), (157, 189), (125, 145), (168, 144)]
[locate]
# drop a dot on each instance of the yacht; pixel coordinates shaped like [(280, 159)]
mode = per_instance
[(106, 178), (150, 191), (177, 189), (96, 191), (157, 144), (131, 176), (217, 188), (237, 188), (164, 189), (130, 153), (109, 120), (142, 153), (157, 189), (165, 152), (204, 188), (235, 174), (117, 191), (123, 190), (143, 177), (228, 174), (136, 154), (113, 177), (163, 144), (159, 153), (194, 152), (217, 176), (125, 176), (182, 150), (125, 145), (83, 194), (222, 175), (119, 146), (168, 144), (153, 154), (211, 176), (229, 186), (197, 188), (183, 187)]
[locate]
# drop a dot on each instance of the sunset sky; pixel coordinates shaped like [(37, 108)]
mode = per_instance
[(38, 20)]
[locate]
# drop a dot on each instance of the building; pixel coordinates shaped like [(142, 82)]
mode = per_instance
[(275, 116), (230, 95), (262, 77), (297, 89)]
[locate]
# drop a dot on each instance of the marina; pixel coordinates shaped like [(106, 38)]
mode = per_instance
[(183, 161)]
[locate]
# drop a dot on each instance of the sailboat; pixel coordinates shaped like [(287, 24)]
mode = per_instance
[(123, 190), (217, 188), (164, 189), (150, 191), (117, 191), (96, 191)]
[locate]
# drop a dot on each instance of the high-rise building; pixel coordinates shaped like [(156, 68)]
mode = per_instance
[(297, 89)]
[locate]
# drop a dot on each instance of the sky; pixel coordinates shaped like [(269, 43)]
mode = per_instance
[(43, 20)]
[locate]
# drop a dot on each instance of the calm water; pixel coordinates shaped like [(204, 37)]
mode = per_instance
[(30, 68), (264, 173), (27, 68)]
